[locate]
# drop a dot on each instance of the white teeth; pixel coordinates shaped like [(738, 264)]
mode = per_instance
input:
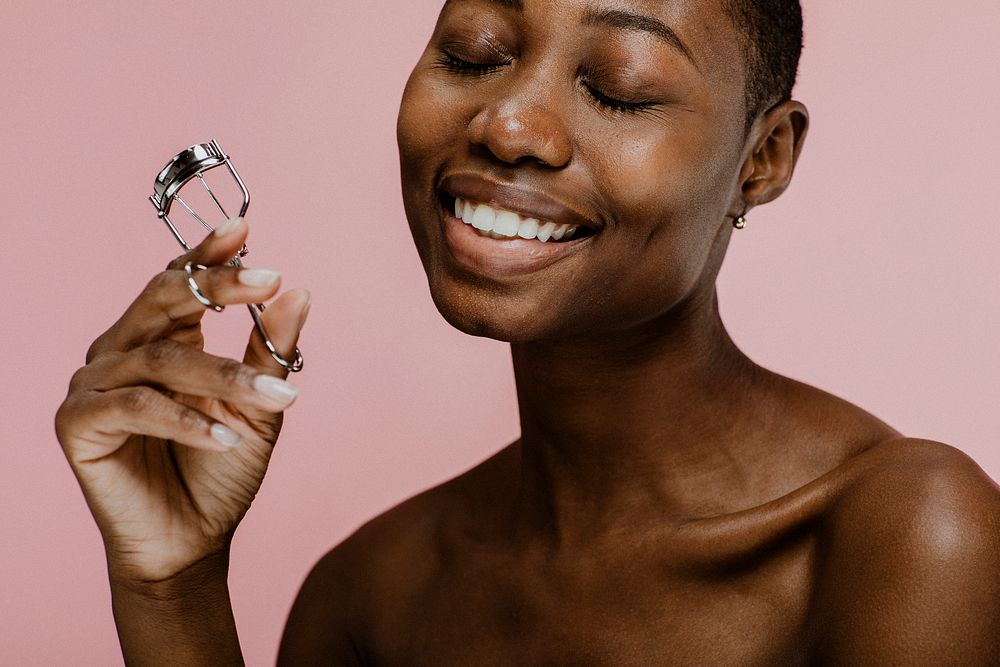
[(483, 218), (528, 229), (502, 224), (545, 231), (507, 223)]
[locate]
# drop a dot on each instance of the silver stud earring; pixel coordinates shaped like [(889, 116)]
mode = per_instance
[(741, 221)]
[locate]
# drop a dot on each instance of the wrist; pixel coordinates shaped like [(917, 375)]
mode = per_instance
[(192, 581), (188, 615)]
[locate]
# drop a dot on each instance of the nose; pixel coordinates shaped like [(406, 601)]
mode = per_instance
[(522, 126)]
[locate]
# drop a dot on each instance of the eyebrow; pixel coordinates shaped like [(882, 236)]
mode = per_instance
[(516, 5), (625, 20), (617, 18)]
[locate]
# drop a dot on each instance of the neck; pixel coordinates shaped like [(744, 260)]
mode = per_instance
[(617, 428)]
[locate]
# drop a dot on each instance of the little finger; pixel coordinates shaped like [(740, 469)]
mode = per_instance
[(95, 426)]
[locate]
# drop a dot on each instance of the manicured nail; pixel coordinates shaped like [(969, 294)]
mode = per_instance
[(225, 436), (229, 226), (258, 277), (305, 311), (275, 389)]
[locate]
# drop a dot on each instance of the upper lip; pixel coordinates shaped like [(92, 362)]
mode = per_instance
[(524, 201)]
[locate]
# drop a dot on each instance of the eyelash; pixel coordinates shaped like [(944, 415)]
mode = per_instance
[(459, 66), (620, 106)]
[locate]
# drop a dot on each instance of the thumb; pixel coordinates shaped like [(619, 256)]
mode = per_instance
[(283, 320)]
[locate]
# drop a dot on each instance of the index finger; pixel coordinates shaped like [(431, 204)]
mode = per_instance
[(218, 247), (140, 321)]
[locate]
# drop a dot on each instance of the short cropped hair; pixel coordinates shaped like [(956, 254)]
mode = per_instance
[(771, 36)]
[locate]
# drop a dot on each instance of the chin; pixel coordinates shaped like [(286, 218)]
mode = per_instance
[(478, 311), (484, 327), (512, 316)]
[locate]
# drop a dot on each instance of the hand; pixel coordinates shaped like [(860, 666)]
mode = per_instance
[(170, 444)]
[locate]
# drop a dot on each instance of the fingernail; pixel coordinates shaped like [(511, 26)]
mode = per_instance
[(258, 277), (275, 389), (229, 226), (305, 311), (225, 436)]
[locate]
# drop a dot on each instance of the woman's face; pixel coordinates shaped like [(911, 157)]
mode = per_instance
[(624, 117)]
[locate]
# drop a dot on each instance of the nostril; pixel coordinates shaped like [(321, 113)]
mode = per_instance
[(516, 135)]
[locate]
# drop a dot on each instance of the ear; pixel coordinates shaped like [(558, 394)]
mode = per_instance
[(776, 139)]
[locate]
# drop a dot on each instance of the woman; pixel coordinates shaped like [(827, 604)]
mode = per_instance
[(572, 173)]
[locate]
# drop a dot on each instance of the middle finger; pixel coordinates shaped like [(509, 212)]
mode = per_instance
[(168, 302)]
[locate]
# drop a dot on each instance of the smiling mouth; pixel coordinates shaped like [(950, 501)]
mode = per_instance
[(502, 224)]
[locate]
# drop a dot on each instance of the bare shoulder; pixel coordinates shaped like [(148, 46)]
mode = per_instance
[(373, 573), (918, 491), (910, 570)]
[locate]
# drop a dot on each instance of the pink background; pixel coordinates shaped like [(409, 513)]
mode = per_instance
[(874, 277)]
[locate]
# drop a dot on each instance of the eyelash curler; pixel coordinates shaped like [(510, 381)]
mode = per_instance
[(191, 164)]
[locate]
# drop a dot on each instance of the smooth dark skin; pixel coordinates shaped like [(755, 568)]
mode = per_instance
[(669, 502)]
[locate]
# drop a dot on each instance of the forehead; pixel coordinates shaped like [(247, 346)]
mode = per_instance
[(704, 29)]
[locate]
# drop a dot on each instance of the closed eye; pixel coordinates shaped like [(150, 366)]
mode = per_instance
[(615, 104), (460, 66)]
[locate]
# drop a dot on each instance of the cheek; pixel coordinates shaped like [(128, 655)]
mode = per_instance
[(670, 181), (669, 197), (430, 121), (424, 133), (416, 111)]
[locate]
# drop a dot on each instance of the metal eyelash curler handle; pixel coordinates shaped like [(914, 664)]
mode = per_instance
[(192, 163)]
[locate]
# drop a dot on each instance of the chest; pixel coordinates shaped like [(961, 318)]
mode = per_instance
[(641, 610)]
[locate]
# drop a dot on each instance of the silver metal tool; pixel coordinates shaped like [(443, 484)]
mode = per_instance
[(185, 167)]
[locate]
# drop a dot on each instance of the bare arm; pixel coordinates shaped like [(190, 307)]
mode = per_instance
[(913, 572), (188, 617)]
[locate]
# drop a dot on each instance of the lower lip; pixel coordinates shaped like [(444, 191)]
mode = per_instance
[(503, 258)]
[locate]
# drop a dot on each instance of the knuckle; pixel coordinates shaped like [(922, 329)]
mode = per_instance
[(163, 353), (64, 421), (189, 335), (69, 417), (213, 278), (233, 373), (97, 347), (191, 420), (87, 376), (178, 262), (135, 400), (79, 378), (160, 281), (104, 357), (160, 287)]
